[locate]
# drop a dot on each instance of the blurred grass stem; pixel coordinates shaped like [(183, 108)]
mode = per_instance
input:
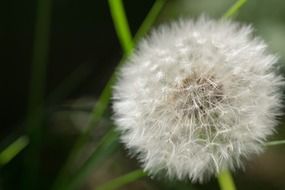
[(149, 19), (36, 93), (13, 149), (122, 180), (104, 148), (234, 8), (273, 143)]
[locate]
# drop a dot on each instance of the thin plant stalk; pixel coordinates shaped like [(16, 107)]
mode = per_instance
[(274, 143), (226, 181), (150, 19), (122, 180), (69, 84), (13, 149), (234, 8), (36, 93), (121, 25), (105, 147)]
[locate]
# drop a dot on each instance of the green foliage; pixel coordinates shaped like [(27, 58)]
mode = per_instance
[(274, 143), (121, 25), (107, 145), (13, 149), (37, 90), (234, 9), (122, 180)]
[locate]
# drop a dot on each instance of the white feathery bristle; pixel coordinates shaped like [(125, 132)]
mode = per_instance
[(197, 97)]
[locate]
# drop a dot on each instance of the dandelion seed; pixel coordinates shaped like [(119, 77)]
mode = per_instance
[(197, 97)]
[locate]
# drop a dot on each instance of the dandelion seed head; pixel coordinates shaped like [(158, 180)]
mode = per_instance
[(197, 97)]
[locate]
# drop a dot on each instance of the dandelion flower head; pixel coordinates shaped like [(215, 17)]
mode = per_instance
[(197, 97)]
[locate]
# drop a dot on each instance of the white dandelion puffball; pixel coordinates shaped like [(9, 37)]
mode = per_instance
[(197, 97)]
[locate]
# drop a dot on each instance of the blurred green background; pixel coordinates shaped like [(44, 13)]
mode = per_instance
[(73, 59)]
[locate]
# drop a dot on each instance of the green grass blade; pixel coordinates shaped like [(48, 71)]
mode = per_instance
[(36, 93), (121, 25), (69, 84), (226, 181), (122, 180), (234, 8), (13, 149), (96, 115), (105, 147), (150, 19), (101, 105), (273, 143)]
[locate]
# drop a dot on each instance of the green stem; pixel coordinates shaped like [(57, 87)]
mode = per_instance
[(121, 25), (122, 180), (226, 181), (105, 147), (13, 150), (150, 19), (36, 94), (273, 143), (234, 8), (69, 84)]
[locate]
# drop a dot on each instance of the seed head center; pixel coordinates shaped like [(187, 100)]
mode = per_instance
[(197, 96)]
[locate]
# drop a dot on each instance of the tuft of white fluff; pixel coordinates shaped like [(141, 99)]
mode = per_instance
[(197, 97)]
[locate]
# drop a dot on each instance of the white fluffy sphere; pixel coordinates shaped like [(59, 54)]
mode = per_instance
[(197, 97)]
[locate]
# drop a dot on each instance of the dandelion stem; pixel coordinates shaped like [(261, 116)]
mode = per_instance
[(122, 180), (234, 8), (226, 181)]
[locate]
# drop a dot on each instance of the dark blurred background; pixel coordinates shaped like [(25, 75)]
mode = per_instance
[(83, 53)]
